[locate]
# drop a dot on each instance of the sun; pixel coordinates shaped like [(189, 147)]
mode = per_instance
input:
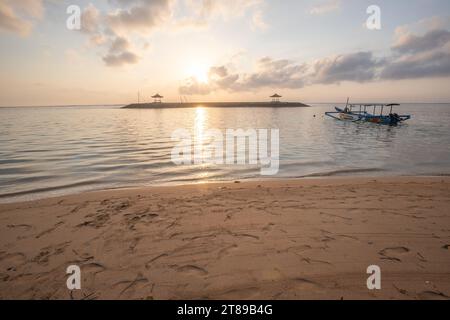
[(199, 72)]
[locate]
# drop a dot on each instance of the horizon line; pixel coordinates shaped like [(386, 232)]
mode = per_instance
[(200, 102)]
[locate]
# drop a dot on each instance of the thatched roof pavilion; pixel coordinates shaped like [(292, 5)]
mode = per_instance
[(157, 98), (276, 98)]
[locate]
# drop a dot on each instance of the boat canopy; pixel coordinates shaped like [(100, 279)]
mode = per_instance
[(374, 104)]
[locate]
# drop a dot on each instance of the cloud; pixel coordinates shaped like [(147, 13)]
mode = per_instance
[(218, 71), (276, 73), (91, 24), (117, 60), (427, 24), (219, 78), (202, 12), (224, 9), (10, 22), (409, 43), (90, 19), (358, 67), (120, 44), (287, 74), (412, 57), (98, 39), (18, 16), (269, 73), (423, 65), (222, 78), (325, 7), (136, 19), (119, 53), (419, 56), (30, 8), (258, 22), (140, 15), (435, 22), (195, 87)]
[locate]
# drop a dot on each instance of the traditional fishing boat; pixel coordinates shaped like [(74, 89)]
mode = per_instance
[(377, 114)]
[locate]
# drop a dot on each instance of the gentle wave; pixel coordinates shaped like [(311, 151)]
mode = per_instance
[(342, 172)]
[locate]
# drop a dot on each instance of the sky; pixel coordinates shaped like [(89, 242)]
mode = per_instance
[(216, 50)]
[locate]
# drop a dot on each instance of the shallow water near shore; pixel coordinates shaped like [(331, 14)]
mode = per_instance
[(47, 151)]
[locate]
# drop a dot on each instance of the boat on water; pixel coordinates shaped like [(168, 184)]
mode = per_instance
[(374, 113)]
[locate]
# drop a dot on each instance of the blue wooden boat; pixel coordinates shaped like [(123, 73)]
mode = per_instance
[(374, 113)]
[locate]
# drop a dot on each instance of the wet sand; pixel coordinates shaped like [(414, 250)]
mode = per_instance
[(289, 239)]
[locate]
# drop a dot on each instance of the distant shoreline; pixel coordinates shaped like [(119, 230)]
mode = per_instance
[(310, 104), (215, 105)]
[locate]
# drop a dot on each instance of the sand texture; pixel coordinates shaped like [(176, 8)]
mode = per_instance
[(290, 239)]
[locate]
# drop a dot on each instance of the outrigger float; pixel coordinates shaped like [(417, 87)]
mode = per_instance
[(360, 113)]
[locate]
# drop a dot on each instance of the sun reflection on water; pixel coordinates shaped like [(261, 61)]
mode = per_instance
[(200, 122)]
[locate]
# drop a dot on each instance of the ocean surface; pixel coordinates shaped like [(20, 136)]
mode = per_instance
[(49, 151)]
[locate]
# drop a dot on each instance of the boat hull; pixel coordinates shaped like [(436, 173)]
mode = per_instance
[(364, 116)]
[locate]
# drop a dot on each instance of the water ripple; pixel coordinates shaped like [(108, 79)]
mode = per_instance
[(53, 151)]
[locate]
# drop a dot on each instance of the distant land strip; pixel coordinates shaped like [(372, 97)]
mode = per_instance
[(216, 105)]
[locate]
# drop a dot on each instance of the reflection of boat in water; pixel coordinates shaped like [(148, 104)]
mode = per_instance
[(360, 112)]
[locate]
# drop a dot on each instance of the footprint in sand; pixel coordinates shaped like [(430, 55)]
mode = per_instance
[(304, 284), (192, 270), (312, 261), (226, 251), (145, 217), (42, 257), (84, 256), (79, 207), (97, 222), (46, 253), (250, 293), (148, 264), (24, 227), (268, 227), (120, 205), (93, 268), (299, 248), (433, 295), (421, 257), (393, 253), (12, 260), (346, 236), (134, 244), (45, 232), (129, 287)]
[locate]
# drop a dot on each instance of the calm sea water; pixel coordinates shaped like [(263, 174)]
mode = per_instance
[(47, 151)]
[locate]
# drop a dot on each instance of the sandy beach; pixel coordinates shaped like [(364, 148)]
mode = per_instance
[(288, 239)]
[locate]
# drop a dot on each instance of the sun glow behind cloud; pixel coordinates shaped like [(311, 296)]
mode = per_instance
[(198, 71), (195, 50)]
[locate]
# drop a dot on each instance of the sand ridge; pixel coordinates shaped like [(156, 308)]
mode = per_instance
[(288, 239)]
